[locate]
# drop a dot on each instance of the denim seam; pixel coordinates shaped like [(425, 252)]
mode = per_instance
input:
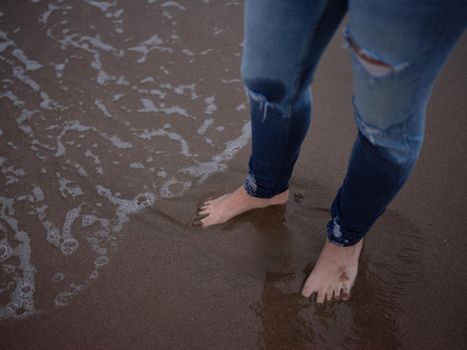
[(442, 33), (296, 80), (303, 55), (289, 122)]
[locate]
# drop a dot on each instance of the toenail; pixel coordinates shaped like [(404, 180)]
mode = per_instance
[(197, 222)]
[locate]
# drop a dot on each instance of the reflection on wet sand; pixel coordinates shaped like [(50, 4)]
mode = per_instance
[(370, 320)]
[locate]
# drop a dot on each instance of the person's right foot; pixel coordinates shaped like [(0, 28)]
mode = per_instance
[(334, 273), (224, 208)]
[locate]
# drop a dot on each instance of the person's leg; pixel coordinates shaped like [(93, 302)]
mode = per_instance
[(283, 43), (397, 52)]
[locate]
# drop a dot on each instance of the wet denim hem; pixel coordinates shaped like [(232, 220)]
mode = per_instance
[(250, 186), (340, 236)]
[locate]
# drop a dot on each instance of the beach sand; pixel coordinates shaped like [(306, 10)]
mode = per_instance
[(118, 118)]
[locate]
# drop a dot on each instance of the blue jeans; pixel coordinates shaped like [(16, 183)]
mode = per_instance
[(398, 48)]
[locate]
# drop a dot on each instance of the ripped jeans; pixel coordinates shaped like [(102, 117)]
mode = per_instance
[(397, 48)]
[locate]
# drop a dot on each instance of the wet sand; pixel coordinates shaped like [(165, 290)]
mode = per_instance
[(118, 118)]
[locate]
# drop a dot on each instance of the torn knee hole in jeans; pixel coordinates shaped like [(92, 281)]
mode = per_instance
[(390, 142), (263, 102), (371, 62)]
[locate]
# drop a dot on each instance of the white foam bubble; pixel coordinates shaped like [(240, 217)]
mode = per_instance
[(6, 42), (185, 149), (116, 97), (5, 250), (59, 68), (136, 165), (51, 8), (218, 162), (58, 276), (21, 299), (83, 42), (188, 52), (126, 207), (147, 80), (206, 124), (166, 190), (230, 81), (11, 173), (69, 246), (145, 47), (149, 107), (103, 108), (81, 170), (38, 194), (25, 289), (116, 141), (28, 63), (88, 220), (240, 107), (47, 102), (217, 31), (67, 187), (101, 5), (64, 298), (72, 125), (180, 90), (173, 4), (89, 153), (53, 235), (122, 81), (101, 261), (8, 268)]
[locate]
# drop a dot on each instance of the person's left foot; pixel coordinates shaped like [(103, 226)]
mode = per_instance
[(334, 273), (224, 208)]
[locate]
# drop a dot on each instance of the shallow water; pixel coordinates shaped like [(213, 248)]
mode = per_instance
[(117, 118), (105, 122)]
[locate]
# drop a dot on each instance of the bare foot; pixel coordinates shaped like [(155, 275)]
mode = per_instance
[(222, 209), (334, 273)]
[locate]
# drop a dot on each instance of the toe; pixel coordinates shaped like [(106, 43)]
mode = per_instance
[(205, 204), (201, 216), (320, 298), (345, 292), (329, 294), (337, 293), (207, 221), (204, 211), (197, 222), (308, 288)]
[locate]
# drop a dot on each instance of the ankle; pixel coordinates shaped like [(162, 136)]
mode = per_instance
[(281, 198)]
